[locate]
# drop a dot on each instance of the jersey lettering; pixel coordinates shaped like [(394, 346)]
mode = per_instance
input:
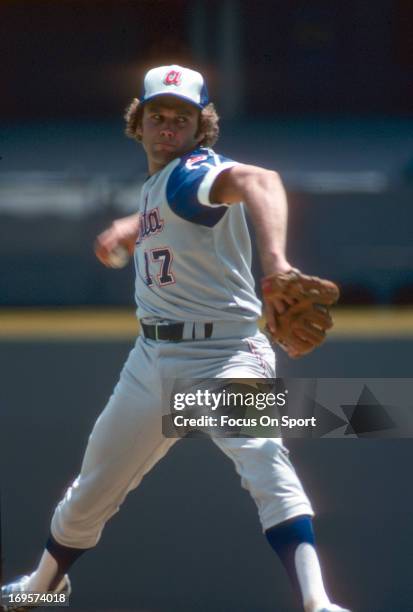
[(150, 223), (148, 278), (164, 257), (190, 163)]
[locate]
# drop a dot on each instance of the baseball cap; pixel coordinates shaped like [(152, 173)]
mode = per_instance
[(178, 81)]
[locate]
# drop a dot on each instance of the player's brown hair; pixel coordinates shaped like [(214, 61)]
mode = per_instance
[(208, 122)]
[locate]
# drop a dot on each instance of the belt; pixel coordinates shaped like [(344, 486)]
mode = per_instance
[(174, 332)]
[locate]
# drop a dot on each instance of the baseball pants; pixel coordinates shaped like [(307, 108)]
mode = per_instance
[(127, 440)]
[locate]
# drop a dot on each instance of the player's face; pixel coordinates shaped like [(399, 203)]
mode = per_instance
[(169, 130)]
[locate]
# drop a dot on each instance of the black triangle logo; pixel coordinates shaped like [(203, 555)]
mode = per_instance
[(326, 420), (368, 415)]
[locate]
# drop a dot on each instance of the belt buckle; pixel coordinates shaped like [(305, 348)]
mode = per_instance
[(156, 331)]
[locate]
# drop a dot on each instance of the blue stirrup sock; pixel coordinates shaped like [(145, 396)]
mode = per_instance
[(285, 538), (64, 556)]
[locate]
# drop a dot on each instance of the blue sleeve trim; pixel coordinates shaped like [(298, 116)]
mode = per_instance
[(183, 184)]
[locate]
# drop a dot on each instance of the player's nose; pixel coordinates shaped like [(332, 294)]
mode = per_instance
[(167, 129), (167, 132)]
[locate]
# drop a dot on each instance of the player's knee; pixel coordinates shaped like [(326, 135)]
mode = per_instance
[(270, 449)]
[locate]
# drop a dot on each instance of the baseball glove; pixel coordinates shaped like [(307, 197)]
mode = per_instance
[(306, 300)]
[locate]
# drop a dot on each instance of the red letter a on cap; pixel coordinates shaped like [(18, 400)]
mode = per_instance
[(173, 77)]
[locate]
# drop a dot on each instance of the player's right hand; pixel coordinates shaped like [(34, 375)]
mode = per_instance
[(122, 233)]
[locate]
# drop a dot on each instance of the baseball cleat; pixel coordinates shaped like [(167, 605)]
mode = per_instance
[(332, 608), (14, 590)]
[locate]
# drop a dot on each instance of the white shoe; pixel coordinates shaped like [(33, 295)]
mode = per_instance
[(332, 608), (9, 592)]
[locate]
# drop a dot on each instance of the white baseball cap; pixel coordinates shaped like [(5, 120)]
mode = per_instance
[(178, 81)]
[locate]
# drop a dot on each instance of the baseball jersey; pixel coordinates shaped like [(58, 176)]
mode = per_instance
[(192, 256)]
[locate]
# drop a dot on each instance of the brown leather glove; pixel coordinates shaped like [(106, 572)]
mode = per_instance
[(306, 317)]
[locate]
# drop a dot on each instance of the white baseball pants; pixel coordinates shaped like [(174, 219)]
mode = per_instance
[(127, 440)]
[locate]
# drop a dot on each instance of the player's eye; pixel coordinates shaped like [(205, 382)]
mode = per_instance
[(182, 119)]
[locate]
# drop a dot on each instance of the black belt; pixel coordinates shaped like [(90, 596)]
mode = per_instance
[(173, 332)]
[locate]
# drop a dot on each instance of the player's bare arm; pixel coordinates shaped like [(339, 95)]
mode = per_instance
[(264, 195)]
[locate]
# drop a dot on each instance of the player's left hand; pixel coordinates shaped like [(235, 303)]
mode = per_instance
[(278, 304), (297, 307)]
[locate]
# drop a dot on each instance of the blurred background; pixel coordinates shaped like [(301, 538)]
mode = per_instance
[(319, 90)]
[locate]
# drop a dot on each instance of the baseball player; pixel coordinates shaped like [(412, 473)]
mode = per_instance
[(198, 314)]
